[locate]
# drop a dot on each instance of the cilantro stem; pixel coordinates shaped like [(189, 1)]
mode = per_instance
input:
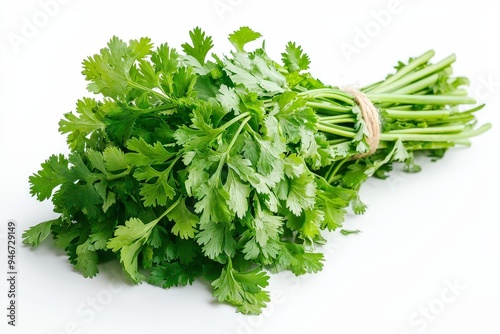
[(413, 64), (420, 99), (170, 208), (237, 133), (435, 129), (335, 130), (234, 120), (161, 95), (318, 92), (151, 110), (412, 77), (418, 114), (435, 137), (331, 176), (112, 177), (328, 93), (327, 107), (223, 160), (338, 119), (418, 85)]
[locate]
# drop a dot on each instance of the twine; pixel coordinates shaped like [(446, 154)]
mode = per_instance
[(371, 117)]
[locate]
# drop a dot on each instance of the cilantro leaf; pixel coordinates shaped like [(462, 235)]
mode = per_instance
[(86, 259), (294, 58), (201, 45), (242, 36), (301, 193), (38, 233), (128, 240), (53, 173), (242, 289), (168, 275), (88, 118), (185, 221), (216, 239)]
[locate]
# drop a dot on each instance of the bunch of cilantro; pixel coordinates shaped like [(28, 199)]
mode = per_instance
[(229, 168)]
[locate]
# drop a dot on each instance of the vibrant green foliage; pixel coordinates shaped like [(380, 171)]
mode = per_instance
[(227, 167)]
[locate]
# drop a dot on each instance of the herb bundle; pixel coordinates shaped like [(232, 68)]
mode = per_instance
[(231, 167)]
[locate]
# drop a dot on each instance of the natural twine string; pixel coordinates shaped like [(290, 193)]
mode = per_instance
[(371, 117)]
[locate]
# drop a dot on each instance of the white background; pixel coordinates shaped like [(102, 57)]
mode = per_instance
[(422, 233)]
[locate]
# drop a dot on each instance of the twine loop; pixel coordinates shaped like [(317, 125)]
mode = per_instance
[(371, 117)]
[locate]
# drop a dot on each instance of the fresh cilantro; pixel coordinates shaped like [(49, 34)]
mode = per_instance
[(186, 165)]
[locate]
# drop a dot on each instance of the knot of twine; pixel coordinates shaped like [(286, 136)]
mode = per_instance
[(371, 117)]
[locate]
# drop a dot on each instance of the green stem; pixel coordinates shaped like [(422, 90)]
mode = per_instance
[(418, 114), (435, 137), (403, 71), (170, 208), (327, 107), (234, 120), (162, 96), (151, 110), (426, 71), (420, 99), (330, 94), (418, 85), (335, 130), (440, 130), (112, 177), (223, 159), (332, 174), (337, 119)]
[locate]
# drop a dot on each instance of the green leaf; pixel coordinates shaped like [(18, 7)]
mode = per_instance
[(53, 173), (294, 258), (88, 119), (348, 232), (355, 175), (102, 231), (301, 195), (109, 71), (238, 194), (183, 82), (157, 192), (242, 36), (114, 159), (165, 59), (65, 237), (86, 259), (216, 239), (313, 220), (401, 154), (242, 289), (333, 201), (255, 74), (38, 233), (212, 202), (202, 44), (267, 227), (119, 124), (129, 240), (229, 99), (146, 153), (168, 275), (185, 221), (294, 58), (96, 158)]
